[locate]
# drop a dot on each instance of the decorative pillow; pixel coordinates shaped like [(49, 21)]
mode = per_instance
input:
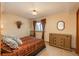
[(10, 42), (17, 40), (5, 48)]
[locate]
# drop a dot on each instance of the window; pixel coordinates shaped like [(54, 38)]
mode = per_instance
[(38, 27)]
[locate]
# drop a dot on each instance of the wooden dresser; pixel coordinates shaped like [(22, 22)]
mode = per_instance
[(60, 40)]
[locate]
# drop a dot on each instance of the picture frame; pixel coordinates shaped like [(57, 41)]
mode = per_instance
[(60, 25)]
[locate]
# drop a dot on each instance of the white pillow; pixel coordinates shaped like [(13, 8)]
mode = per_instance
[(11, 43), (17, 40)]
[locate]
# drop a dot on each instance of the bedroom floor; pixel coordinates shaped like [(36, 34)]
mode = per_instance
[(53, 51)]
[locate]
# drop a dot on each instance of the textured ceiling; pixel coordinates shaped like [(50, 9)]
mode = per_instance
[(43, 8)]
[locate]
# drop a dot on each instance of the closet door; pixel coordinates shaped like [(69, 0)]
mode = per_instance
[(77, 40), (0, 29)]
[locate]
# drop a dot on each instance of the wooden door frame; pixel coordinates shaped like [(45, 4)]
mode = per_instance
[(77, 31)]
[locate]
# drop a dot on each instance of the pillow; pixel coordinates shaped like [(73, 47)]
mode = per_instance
[(10, 42), (5, 48), (17, 40)]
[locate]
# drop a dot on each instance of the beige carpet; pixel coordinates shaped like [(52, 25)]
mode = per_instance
[(53, 51)]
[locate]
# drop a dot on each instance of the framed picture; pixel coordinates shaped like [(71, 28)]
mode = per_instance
[(60, 25)]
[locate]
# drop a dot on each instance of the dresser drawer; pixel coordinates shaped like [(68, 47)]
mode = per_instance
[(61, 43), (55, 42), (68, 42)]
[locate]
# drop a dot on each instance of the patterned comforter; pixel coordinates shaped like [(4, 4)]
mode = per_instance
[(29, 46)]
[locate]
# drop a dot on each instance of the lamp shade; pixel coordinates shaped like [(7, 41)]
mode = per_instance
[(34, 12)]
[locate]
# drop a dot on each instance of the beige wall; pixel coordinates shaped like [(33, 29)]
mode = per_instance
[(69, 17), (70, 25), (10, 28)]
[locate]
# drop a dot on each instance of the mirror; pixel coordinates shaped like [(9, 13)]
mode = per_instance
[(60, 25)]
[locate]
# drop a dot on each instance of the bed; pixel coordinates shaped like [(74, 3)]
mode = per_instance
[(30, 47)]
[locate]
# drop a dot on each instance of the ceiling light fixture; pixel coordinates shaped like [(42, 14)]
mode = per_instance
[(34, 12)]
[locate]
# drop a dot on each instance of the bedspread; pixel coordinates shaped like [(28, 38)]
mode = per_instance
[(30, 45)]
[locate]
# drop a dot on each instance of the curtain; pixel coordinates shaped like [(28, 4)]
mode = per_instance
[(43, 21), (34, 23)]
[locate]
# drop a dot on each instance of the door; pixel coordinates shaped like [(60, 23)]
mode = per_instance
[(0, 29), (77, 40)]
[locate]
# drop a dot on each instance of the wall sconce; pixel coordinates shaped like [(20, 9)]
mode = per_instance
[(18, 23)]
